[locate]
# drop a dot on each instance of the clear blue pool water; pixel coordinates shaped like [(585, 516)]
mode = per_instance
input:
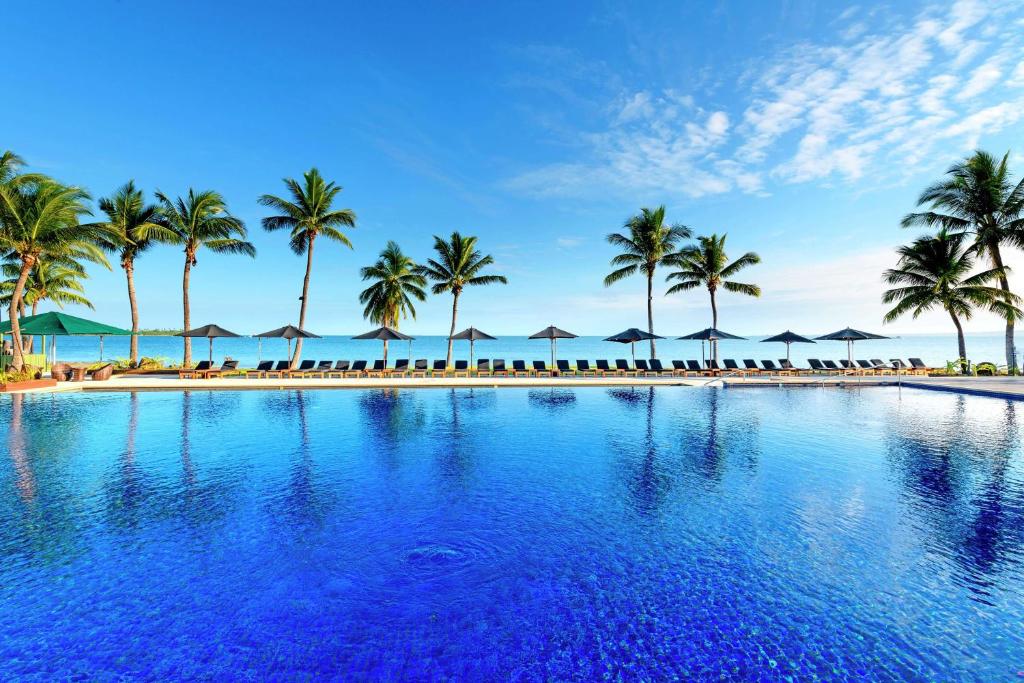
[(531, 534)]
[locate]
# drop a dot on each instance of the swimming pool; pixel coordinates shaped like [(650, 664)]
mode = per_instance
[(512, 533)]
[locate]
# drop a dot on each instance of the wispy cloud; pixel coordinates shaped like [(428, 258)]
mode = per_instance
[(875, 98)]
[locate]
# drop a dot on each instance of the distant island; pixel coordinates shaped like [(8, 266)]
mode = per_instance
[(155, 332)]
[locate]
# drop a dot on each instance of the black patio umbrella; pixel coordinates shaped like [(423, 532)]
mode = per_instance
[(631, 337), (210, 332), (288, 332), (850, 335), (551, 332), (385, 334), (472, 334), (711, 335), (788, 338)]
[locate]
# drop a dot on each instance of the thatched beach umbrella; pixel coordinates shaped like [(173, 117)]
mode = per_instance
[(210, 332), (631, 337), (788, 338), (551, 332), (850, 335), (288, 332), (385, 334), (473, 334), (710, 335)]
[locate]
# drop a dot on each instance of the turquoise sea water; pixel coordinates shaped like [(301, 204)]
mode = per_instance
[(513, 534), (933, 349)]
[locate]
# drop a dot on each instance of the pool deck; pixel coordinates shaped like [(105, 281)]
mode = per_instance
[(1000, 387)]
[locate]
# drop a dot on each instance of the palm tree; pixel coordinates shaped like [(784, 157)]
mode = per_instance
[(706, 264), (457, 266), (646, 247), (137, 226), (978, 197), (198, 220), (50, 280), (934, 272), (396, 283), (307, 215), (41, 220)]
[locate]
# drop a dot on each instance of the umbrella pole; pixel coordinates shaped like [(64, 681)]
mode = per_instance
[(470, 352), (632, 349), (553, 342), (211, 350), (787, 350), (849, 350), (101, 348)]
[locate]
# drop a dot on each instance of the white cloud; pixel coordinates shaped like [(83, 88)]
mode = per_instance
[(983, 78), (879, 99)]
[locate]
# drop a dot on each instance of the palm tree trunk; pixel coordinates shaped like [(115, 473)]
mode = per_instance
[(187, 361), (385, 353), (650, 310), (133, 349), (27, 262), (1004, 284), (32, 338), (714, 322), (451, 333), (960, 342), (305, 296)]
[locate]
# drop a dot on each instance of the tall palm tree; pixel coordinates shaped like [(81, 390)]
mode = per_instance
[(706, 264), (396, 283), (979, 197), (934, 272), (309, 214), (649, 241), (198, 220), (40, 220), (457, 266), (136, 226)]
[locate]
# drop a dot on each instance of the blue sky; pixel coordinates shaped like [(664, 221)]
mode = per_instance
[(802, 129)]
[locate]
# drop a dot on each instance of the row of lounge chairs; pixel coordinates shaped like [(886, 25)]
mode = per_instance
[(497, 368)]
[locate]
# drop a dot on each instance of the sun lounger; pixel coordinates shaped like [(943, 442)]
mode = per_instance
[(831, 366), (419, 368), (750, 365), (772, 369), (106, 371), (261, 369), (583, 368), (918, 366), (847, 364), (304, 367), (197, 372), (602, 367), (339, 369), (540, 368), (713, 366), (519, 368), (320, 370), (227, 366), (622, 366), (498, 368), (731, 366), (641, 368), (401, 367), (357, 369), (440, 368), (789, 368), (694, 367), (658, 369), (280, 370), (461, 368), (483, 367), (379, 369), (679, 368), (816, 366), (563, 367)]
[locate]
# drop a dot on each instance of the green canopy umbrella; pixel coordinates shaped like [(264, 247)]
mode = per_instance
[(57, 324), (209, 331)]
